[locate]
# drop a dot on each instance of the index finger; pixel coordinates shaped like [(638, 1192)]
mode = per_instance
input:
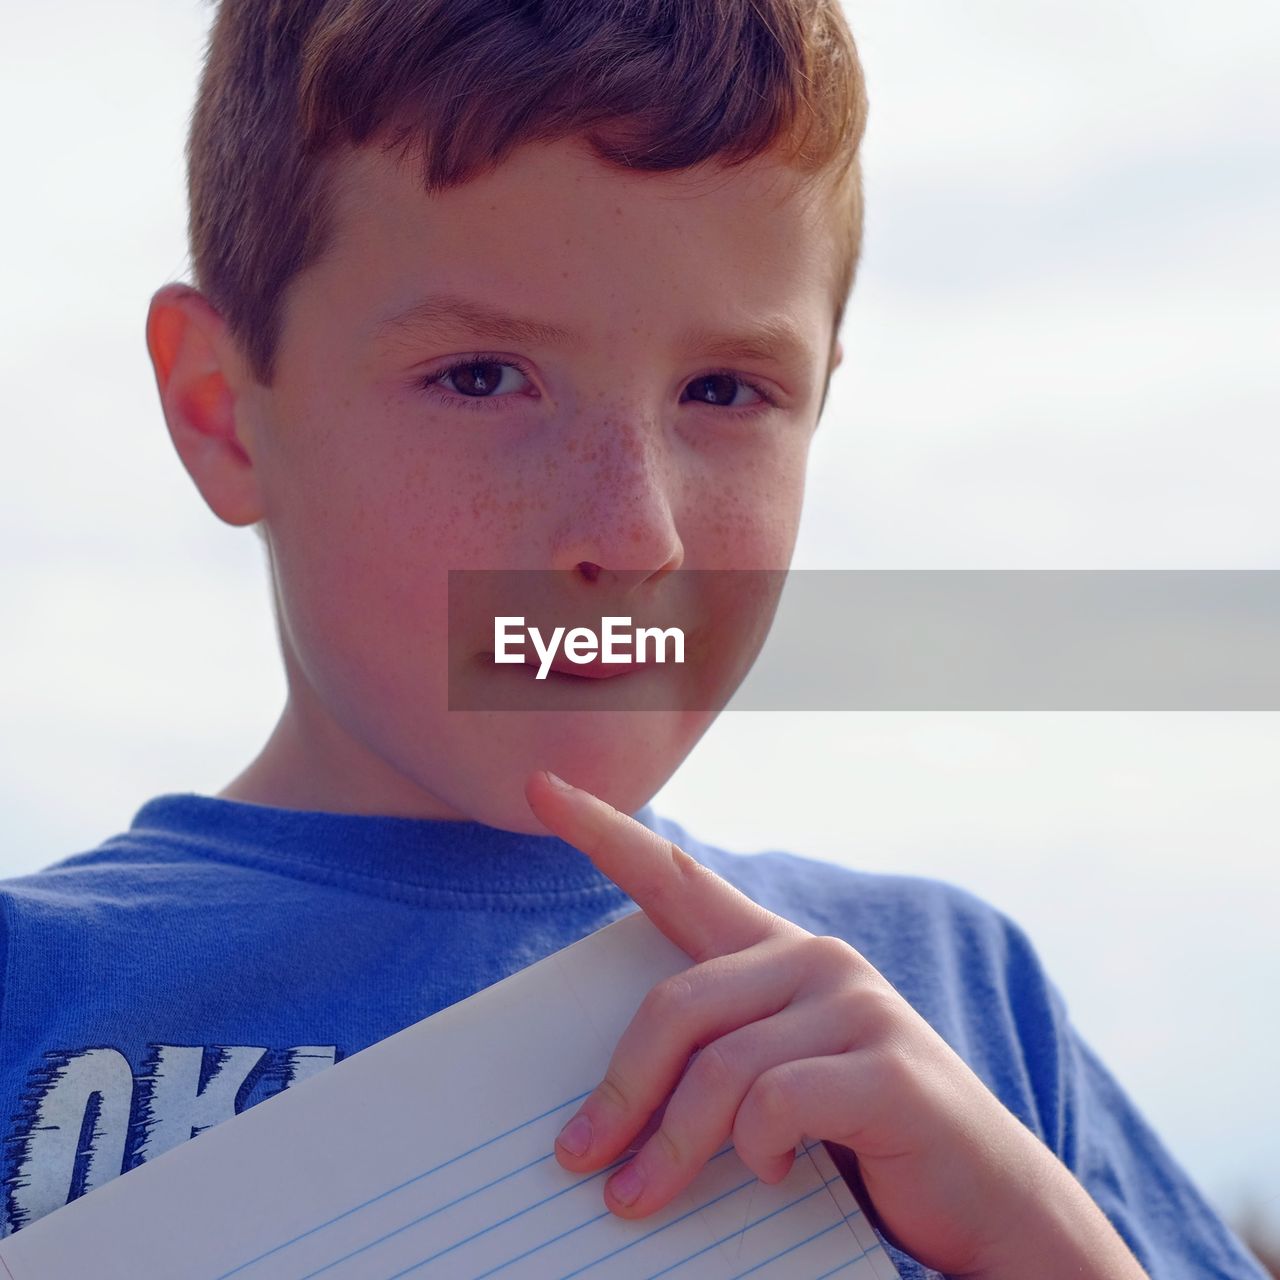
[(703, 914)]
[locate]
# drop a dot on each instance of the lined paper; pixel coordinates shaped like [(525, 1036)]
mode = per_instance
[(429, 1154)]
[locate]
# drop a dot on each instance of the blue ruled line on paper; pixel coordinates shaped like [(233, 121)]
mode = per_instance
[(843, 1265), (524, 1124)]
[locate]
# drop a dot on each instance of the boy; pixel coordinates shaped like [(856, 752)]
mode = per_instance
[(459, 264)]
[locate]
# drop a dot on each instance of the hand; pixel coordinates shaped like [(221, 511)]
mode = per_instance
[(796, 1037)]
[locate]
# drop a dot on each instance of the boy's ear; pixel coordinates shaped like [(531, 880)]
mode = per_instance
[(200, 375)]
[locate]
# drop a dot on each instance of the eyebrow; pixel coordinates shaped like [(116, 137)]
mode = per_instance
[(775, 339)]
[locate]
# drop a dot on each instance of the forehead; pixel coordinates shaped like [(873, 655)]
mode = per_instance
[(559, 234)]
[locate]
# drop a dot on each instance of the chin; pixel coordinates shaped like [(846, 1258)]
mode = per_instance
[(625, 758)]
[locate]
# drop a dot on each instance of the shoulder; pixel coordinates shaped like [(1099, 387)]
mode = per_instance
[(893, 913), (125, 892), (119, 872)]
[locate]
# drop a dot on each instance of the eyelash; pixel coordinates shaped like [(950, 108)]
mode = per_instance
[(428, 384)]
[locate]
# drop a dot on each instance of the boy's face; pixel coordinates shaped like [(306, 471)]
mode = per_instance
[(614, 455)]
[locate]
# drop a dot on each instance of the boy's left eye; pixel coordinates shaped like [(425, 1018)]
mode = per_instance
[(724, 386), (476, 380)]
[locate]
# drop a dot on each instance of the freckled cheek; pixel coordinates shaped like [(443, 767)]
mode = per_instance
[(751, 522), (473, 511)]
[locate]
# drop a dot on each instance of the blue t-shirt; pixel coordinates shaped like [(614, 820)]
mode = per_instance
[(218, 952)]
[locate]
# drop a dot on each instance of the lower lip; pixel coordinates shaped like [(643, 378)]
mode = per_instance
[(587, 673)]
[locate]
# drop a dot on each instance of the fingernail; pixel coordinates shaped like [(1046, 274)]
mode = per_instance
[(575, 1137), (557, 781), (627, 1185)]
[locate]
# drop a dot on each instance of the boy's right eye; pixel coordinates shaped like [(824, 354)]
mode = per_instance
[(473, 380)]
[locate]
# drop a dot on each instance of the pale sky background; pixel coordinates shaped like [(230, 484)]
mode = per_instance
[(1061, 353)]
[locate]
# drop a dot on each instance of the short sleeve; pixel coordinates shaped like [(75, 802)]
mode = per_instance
[(1102, 1137)]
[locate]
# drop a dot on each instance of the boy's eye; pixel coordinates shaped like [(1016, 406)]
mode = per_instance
[(474, 379), (724, 389)]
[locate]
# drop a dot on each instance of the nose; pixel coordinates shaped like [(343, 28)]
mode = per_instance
[(621, 515)]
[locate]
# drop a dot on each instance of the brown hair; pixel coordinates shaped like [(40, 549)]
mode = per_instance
[(650, 84)]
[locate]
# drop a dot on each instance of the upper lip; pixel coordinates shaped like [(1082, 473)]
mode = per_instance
[(596, 669)]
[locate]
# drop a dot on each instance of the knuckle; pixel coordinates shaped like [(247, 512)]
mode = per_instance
[(772, 1096), (871, 1013), (828, 951), (713, 1069), (613, 1092), (669, 1000)]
